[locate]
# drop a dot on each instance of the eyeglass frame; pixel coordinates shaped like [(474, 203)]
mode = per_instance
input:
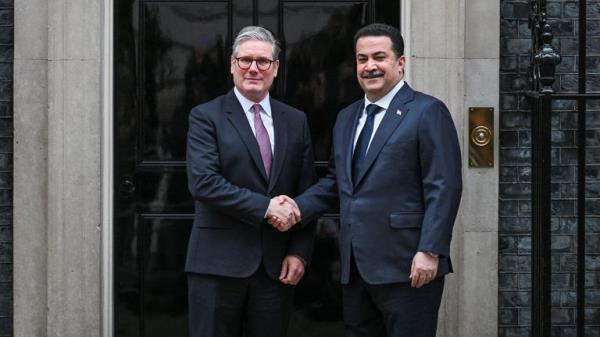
[(254, 61)]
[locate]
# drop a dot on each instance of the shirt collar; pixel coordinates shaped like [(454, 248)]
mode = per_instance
[(384, 102), (247, 104)]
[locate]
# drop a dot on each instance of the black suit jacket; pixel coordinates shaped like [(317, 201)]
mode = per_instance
[(407, 196), (227, 180)]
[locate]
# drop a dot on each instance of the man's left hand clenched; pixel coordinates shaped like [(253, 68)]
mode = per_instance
[(423, 270), (292, 270)]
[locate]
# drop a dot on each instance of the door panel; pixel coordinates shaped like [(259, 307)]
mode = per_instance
[(172, 55), (319, 75), (169, 56), (184, 61), (163, 280)]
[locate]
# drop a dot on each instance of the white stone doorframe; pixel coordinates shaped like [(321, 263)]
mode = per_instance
[(62, 168), (453, 53)]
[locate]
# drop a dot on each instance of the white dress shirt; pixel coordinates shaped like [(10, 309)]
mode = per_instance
[(383, 103), (265, 115)]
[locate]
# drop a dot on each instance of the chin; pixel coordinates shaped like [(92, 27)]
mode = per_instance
[(253, 89), (373, 89), (253, 93), (372, 85)]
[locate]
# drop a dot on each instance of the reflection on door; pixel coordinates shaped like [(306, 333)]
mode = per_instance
[(172, 55)]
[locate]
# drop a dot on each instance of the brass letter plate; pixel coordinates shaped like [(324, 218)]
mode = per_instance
[(481, 137)]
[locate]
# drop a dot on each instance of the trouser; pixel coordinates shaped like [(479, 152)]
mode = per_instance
[(256, 306), (392, 310)]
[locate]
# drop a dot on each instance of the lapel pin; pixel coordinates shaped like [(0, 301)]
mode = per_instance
[(398, 112)]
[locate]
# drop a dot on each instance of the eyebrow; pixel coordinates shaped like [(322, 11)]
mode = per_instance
[(255, 58), (375, 54)]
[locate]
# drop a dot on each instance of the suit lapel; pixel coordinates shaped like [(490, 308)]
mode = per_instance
[(388, 124), (238, 118), (280, 126), (349, 135)]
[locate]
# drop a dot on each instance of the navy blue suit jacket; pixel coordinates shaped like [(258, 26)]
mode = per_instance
[(406, 198), (228, 182)]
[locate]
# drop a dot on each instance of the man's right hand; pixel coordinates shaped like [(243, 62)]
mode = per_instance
[(283, 213)]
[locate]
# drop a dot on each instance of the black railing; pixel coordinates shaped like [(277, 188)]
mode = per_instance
[(544, 59)]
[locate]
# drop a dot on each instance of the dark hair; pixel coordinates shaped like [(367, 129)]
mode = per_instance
[(381, 29)]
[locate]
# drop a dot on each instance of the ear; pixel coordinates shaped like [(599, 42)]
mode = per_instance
[(401, 63), (232, 68), (275, 67)]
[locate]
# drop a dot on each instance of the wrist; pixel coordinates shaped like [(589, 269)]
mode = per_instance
[(432, 254), (299, 258)]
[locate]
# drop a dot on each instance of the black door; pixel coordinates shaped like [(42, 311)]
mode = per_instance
[(172, 55)]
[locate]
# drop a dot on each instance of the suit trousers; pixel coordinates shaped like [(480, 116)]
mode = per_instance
[(392, 310), (255, 306)]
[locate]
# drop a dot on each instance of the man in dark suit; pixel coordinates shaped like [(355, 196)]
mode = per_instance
[(242, 148), (395, 170)]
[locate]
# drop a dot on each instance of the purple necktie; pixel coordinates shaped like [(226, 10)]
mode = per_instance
[(262, 137)]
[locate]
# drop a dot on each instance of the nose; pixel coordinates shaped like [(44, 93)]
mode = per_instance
[(371, 64), (253, 66)]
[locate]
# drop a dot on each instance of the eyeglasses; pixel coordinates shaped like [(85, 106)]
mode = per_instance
[(246, 62)]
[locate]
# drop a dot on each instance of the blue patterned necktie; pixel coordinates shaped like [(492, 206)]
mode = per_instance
[(360, 150)]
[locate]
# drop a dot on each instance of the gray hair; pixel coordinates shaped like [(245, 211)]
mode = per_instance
[(256, 33)]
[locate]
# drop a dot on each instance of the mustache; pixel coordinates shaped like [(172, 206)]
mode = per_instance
[(372, 74)]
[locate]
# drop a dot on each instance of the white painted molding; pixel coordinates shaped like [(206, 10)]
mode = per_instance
[(405, 16), (107, 309)]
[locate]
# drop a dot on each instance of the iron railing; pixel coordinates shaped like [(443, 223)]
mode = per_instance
[(544, 59)]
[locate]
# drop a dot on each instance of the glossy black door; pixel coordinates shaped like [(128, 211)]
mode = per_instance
[(171, 55)]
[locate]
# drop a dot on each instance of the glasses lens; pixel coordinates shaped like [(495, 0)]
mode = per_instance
[(263, 64), (244, 62)]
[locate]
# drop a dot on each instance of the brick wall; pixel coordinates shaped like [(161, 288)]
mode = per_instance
[(6, 160), (515, 173)]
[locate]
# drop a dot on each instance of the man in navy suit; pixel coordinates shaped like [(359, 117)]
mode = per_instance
[(395, 170), (243, 148)]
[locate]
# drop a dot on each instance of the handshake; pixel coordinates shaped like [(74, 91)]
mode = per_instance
[(283, 213)]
